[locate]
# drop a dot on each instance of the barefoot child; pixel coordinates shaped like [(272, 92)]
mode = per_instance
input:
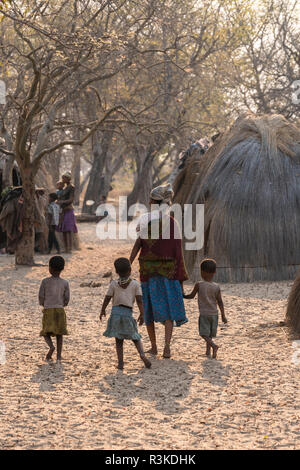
[(121, 324), (209, 297), (54, 295)]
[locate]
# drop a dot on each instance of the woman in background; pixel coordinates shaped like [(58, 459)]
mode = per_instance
[(65, 201)]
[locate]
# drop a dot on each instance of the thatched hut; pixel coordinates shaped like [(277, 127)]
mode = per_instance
[(293, 309), (16, 180), (249, 181)]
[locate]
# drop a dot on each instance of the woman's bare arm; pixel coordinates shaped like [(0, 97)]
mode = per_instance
[(136, 248), (139, 301)]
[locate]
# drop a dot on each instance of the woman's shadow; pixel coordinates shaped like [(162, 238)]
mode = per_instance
[(166, 385), (48, 376)]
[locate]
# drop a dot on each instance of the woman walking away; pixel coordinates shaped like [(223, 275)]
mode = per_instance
[(121, 325), (68, 224), (54, 295), (162, 268)]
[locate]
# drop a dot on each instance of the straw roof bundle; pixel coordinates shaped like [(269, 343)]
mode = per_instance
[(293, 309), (187, 176), (249, 181)]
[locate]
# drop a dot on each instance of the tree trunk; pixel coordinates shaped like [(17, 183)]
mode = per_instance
[(52, 165), (100, 152), (112, 166), (25, 247), (84, 181), (77, 184), (76, 176), (143, 184)]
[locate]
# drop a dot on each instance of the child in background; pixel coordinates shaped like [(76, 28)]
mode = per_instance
[(54, 295), (53, 221), (209, 297), (121, 324), (59, 188)]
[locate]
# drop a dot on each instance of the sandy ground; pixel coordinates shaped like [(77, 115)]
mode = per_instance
[(247, 399)]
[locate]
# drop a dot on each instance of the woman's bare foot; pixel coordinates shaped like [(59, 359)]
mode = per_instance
[(208, 351), (152, 351), (215, 350), (146, 362), (167, 352), (50, 354)]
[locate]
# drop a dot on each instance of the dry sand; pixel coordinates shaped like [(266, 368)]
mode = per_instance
[(247, 399)]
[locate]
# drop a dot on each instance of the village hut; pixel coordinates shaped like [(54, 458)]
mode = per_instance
[(249, 183), (16, 180)]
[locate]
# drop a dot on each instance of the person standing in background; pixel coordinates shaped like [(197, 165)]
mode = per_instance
[(68, 224), (53, 222)]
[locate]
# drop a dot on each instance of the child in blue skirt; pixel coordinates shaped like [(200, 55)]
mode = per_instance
[(121, 324)]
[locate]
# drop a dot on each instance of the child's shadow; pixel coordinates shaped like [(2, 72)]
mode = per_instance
[(215, 372), (166, 385), (48, 376)]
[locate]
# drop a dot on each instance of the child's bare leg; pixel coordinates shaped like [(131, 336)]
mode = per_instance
[(152, 337), (168, 337), (51, 347), (211, 344), (59, 343), (119, 348), (139, 346), (208, 350)]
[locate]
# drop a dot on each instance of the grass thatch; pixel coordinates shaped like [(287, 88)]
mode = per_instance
[(249, 181), (293, 309)]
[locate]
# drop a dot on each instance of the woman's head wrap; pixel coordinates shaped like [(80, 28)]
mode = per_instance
[(162, 193)]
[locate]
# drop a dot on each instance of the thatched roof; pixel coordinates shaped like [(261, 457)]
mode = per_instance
[(249, 181), (293, 309), (2, 161)]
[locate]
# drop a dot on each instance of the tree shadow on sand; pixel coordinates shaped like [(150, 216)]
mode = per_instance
[(215, 373), (48, 376), (165, 385)]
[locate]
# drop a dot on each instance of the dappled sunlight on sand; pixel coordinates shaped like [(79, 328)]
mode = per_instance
[(248, 398)]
